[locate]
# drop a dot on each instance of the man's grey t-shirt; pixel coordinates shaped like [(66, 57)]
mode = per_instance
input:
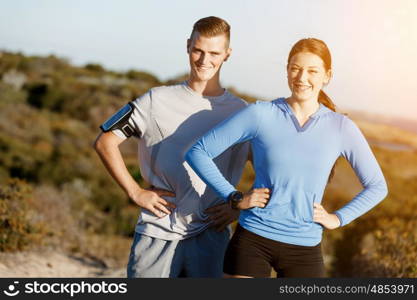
[(169, 120)]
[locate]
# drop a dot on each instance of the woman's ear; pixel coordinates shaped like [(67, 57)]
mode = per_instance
[(329, 75)]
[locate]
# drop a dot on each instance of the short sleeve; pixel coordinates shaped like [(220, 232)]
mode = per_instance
[(139, 120)]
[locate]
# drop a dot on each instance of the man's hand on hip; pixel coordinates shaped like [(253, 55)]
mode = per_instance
[(151, 200), (221, 215)]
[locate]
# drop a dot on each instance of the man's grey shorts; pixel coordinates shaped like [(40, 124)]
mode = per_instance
[(198, 256)]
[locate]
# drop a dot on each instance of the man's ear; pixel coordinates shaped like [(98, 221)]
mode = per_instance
[(188, 45), (228, 53)]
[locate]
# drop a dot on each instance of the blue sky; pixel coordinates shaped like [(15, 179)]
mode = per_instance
[(373, 42)]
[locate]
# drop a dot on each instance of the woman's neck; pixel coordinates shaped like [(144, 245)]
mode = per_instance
[(303, 109)]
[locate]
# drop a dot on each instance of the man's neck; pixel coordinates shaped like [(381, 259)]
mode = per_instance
[(211, 88)]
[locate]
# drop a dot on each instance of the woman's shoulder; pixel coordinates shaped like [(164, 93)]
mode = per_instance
[(259, 105), (337, 116), (267, 105), (340, 120), (342, 117)]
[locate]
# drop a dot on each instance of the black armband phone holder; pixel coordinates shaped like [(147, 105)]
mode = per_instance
[(120, 120)]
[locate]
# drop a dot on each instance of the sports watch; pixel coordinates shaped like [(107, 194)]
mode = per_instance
[(234, 199)]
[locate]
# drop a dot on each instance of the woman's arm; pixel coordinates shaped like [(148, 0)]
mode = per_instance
[(356, 150), (240, 127)]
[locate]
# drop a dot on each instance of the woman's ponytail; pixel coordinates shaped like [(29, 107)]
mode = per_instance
[(326, 101)]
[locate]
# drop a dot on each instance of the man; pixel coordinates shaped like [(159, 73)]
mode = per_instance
[(182, 229)]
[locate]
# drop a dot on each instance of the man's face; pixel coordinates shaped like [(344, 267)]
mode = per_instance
[(207, 55)]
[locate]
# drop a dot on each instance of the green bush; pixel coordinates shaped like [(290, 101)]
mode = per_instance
[(46, 96), (18, 231), (9, 95), (143, 76), (94, 67)]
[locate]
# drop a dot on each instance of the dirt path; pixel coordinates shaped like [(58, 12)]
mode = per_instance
[(54, 264)]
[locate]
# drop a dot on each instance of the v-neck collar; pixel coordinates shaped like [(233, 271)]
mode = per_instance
[(284, 104)]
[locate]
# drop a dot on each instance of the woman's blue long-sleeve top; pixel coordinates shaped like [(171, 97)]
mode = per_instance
[(294, 163)]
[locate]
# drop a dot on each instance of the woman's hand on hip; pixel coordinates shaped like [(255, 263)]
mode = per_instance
[(254, 198), (321, 216)]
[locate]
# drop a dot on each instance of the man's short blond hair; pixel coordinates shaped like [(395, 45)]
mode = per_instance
[(211, 26)]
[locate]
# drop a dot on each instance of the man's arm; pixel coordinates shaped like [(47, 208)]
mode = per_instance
[(107, 147)]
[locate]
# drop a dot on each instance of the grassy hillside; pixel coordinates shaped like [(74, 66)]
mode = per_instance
[(55, 193)]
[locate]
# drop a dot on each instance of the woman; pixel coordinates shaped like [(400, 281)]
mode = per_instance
[(295, 142)]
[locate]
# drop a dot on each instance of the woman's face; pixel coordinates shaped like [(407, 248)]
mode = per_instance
[(306, 76)]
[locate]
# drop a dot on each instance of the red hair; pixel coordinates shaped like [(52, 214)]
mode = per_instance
[(319, 48)]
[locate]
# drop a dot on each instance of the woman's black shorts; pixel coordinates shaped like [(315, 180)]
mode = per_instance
[(252, 255)]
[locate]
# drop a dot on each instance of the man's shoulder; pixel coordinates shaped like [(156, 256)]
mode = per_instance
[(232, 98), (166, 89), (159, 92)]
